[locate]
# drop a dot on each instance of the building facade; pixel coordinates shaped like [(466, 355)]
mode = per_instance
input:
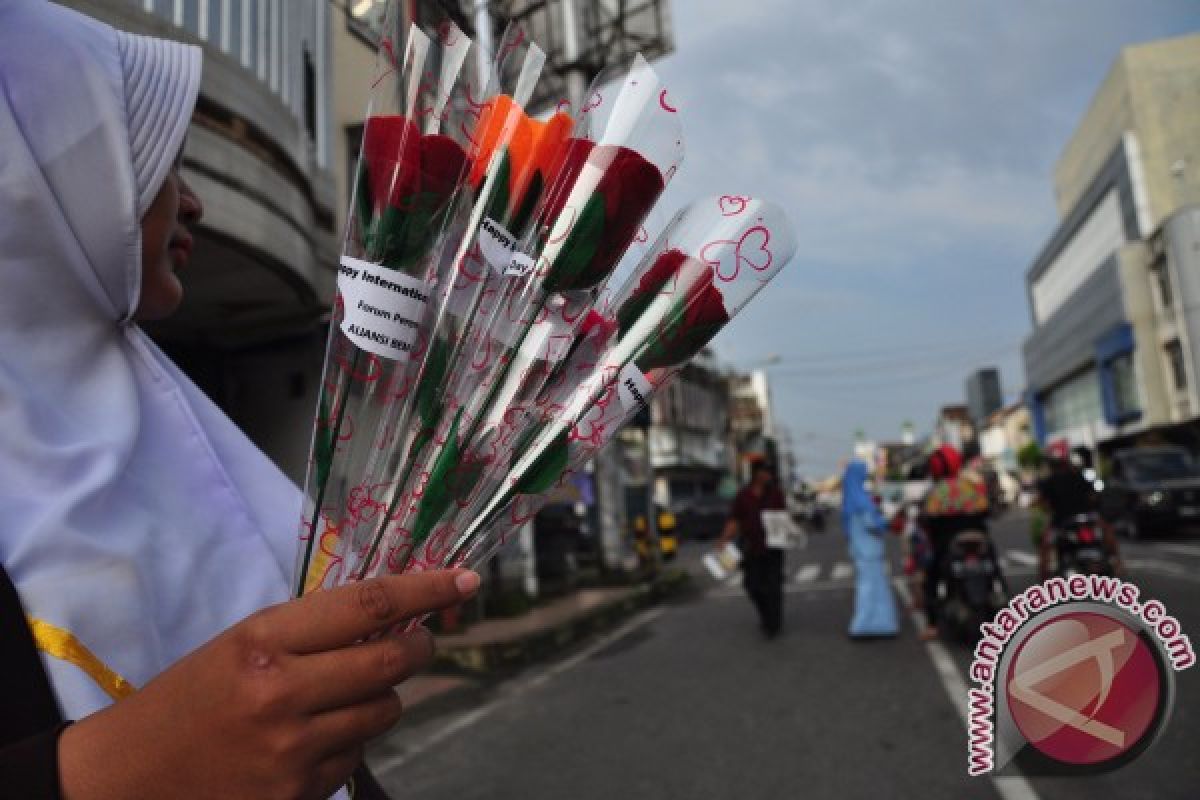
[(1113, 294), (984, 394), (688, 433), (250, 331)]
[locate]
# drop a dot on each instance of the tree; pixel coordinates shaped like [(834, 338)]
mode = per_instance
[(1029, 456)]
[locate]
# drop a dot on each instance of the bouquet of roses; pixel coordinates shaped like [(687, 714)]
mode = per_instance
[(479, 353), (411, 187)]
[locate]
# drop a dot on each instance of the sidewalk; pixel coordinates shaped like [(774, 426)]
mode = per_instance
[(500, 645)]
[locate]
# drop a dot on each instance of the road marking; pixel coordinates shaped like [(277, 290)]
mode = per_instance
[(1163, 568), (513, 693), (808, 573), (1010, 787), (1023, 558), (841, 571), (1181, 549), (734, 580), (789, 588)]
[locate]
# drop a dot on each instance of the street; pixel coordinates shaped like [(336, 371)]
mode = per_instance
[(690, 701)]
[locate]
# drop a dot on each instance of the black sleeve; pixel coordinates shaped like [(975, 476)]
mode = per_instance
[(30, 720), (29, 768)]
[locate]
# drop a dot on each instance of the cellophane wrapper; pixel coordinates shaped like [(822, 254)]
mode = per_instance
[(570, 196), (704, 268), (409, 188)]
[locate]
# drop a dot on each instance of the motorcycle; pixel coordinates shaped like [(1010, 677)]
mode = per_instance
[(1079, 547), (971, 586)]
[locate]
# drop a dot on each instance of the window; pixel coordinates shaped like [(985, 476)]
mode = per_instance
[(213, 34), (1124, 385), (1162, 282), (1074, 403), (191, 16), (310, 95), (1178, 370), (234, 30), (366, 16), (250, 56)]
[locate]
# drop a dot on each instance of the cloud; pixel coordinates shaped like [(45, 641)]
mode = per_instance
[(912, 145)]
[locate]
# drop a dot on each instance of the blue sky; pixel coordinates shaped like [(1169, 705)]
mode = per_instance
[(912, 143)]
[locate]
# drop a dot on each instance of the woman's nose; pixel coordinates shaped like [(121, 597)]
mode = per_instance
[(191, 209)]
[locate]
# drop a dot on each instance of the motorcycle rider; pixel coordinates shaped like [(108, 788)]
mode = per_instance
[(1063, 495), (956, 502)]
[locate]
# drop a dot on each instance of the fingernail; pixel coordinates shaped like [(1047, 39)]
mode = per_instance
[(467, 582)]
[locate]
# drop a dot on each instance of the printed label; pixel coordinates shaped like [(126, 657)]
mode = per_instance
[(520, 265), (496, 244), (633, 388), (384, 307)]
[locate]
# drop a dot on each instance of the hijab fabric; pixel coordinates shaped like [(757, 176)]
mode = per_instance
[(137, 518), (855, 499)]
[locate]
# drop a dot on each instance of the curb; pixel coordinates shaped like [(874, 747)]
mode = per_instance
[(508, 655)]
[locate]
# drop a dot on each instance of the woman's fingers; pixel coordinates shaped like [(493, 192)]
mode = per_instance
[(345, 728), (333, 772), (333, 618), (360, 672)]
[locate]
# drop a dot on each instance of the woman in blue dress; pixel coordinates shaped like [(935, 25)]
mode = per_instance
[(864, 526)]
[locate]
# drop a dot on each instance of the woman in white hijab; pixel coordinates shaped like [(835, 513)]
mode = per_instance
[(149, 543)]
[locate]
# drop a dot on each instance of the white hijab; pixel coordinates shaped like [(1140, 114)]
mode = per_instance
[(134, 516)]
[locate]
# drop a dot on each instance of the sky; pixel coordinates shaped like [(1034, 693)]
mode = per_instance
[(912, 143)]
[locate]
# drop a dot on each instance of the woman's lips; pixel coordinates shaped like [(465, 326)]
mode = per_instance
[(181, 249)]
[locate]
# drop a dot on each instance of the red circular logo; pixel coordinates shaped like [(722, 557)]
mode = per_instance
[(1084, 688)]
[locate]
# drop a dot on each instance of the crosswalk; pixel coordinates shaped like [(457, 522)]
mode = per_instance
[(1164, 558)]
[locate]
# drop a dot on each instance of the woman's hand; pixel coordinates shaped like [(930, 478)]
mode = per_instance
[(278, 706)]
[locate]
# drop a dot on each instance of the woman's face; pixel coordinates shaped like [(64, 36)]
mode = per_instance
[(166, 245)]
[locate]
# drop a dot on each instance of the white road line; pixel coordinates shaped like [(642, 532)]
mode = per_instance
[(1163, 568), (808, 573), (841, 571), (515, 692), (1180, 549), (1021, 557), (734, 580), (1009, 787), (788, 588)]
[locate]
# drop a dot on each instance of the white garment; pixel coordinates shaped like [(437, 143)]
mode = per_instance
[(133, 513)]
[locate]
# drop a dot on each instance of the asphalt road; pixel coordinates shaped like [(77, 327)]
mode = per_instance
[(689, 701)]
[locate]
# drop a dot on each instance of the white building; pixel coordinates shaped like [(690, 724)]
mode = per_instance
[(1115, 294)]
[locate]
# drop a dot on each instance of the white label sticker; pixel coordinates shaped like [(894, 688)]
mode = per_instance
[(519, 265), (633, 388), (383, 307), (496, 244)]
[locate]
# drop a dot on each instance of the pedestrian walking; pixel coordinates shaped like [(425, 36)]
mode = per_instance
[(149, 649), (762, 566), (865, 529)]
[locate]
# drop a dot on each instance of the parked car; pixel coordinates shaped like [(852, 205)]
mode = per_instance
[(702, 517), (1152, 490)]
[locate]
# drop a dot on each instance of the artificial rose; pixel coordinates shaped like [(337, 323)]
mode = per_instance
[(695, 315), (405, 184), (602, 228), (529, 152), (391, 161)]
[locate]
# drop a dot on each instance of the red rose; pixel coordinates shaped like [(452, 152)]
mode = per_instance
[(565, 172), (391, 159), (443, 165), (608, 219)]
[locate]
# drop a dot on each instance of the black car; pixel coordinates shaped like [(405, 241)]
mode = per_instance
[(1152, 490), (702, 517)]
